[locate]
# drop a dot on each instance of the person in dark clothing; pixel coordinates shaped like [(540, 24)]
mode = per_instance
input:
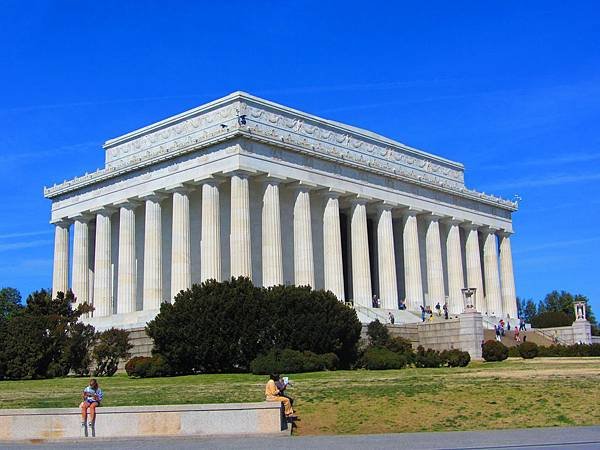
[(446, 311)]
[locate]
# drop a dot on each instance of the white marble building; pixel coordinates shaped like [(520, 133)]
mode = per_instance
[(244, 186)]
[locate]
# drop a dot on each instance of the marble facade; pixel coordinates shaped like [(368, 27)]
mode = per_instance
[(244, 186)]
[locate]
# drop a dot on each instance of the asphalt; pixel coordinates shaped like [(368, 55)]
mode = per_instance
[(575, 438)]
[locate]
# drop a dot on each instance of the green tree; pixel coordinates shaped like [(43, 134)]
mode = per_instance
[(527, 309), (10, 302), (564, 301), (44, 338), (111, 346)]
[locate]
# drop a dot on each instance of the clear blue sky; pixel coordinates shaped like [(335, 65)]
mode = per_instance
[(509, 88)]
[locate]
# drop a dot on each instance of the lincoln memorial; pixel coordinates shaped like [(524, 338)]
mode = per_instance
[(245, 187)]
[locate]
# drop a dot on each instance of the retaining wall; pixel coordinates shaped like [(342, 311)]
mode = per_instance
[(137, 421)]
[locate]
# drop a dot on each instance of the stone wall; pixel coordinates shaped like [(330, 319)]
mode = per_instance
[(579, 332)]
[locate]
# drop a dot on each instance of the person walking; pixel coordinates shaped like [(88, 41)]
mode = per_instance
[(391, 318), (439, 309), (422, 313), (517, 337), (446, 311), (497, 329)]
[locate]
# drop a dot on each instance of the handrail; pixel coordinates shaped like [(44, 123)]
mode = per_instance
[(555, 338)]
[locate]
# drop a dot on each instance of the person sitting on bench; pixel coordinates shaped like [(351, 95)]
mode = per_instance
[(92, 396), (273, 394)]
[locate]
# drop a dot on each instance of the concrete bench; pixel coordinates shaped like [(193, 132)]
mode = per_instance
[(133, 421)]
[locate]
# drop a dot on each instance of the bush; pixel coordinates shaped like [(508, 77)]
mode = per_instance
[(147, 367), (455, 358), (378, 334), (222, 327), (570, 350), (112, 345), (494, 351), (292, 361), (428, 358), (513, 352), (551, 319), (528, 350), (380, 358)]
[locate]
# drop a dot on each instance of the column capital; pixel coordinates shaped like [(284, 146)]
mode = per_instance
[(433, 217), (504, 233), (385, 205), (468, 225), (359, 199), (180, 188), (83, 216), (105, 211), (154, 196), (62, 222), (411, 211), (332, 193), (486, 229), (213, 180), (450, 220), (129, 203), (241, 173), (303, 186), (270, 178)]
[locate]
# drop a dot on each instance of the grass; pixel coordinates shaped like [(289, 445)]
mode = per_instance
[(511, 394)]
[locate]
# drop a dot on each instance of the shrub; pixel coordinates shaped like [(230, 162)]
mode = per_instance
[(494, 351), (570, 350), (455, 358), (380, 358), (112, 345), (292, 361), (428, 358), (551, 319), (222, 327), (378, 334), (147, 367), (513, 352), (528, 350)]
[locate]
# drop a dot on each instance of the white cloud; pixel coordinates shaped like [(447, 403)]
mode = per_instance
[(24, 234), (543, 181), (24, 244)]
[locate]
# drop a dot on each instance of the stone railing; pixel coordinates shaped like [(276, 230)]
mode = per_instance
[(143, 421)]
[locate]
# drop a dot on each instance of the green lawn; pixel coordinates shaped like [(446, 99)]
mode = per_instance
[(511, 394)]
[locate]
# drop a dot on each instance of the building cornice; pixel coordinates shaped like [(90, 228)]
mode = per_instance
[(241, 114)]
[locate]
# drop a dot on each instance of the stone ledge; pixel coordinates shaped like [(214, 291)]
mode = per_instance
[(135, 421)]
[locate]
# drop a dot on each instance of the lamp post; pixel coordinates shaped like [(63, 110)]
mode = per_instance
[(469, 298)]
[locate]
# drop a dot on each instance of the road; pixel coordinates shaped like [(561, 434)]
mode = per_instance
[(572, 438)]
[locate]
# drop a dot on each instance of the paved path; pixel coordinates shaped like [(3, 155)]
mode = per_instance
[(573, 438)]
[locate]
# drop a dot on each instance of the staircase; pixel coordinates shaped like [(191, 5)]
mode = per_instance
[(368, 315), (508, 339)]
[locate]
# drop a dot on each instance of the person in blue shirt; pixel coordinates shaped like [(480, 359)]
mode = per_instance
[(92, 397)]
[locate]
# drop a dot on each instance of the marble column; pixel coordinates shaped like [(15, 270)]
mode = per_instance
[(240, 238), (493, 295), (304, 269), (507, 277), (181, 262), (60, 273), (473, 259), (455, 268), (412, 261), (272, 257), (210, 243), (386, 259), (332, 247), (361, 266), (435, 268), (102, 265), (127, 282), (153, 282), (81, 250)]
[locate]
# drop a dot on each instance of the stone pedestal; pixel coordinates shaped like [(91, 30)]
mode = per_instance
[(582, 332), (471, 333)]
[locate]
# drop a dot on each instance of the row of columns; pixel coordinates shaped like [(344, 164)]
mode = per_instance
[(499, 290)]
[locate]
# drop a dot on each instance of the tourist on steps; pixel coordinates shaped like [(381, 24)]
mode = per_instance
[(273, 394), (92, 396)]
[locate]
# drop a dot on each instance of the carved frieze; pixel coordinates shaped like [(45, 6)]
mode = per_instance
[(279, 126)]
